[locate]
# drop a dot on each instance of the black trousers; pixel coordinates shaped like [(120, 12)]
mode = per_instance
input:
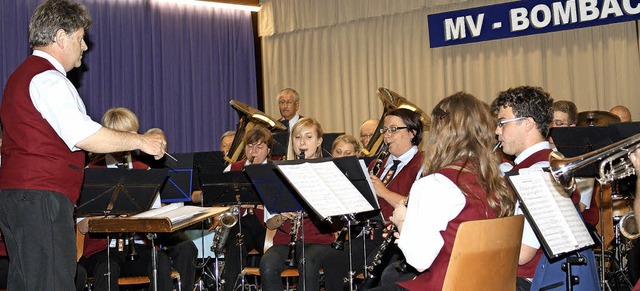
[(253, 234), (39, 233), (96, 266), (183, 254)]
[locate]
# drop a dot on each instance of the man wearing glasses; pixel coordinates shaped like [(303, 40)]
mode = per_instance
[(524, 116), (288, 104)]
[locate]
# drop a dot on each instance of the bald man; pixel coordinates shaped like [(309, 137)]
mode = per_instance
[(622, 112), (367, 129)]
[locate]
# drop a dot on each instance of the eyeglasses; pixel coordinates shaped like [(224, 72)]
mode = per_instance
[(288, 102), (391, 129), (502, 122), (560, 123)]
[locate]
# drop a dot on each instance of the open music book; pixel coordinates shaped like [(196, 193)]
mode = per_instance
[(553, 217), (325, 188), (168, 218)]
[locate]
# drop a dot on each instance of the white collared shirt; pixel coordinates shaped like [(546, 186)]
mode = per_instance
[(59, 103), (404, 160)]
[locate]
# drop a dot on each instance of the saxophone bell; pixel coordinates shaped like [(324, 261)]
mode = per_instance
[(227, 221)]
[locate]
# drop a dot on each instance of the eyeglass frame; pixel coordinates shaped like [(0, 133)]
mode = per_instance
[(392, 129), (502, 122)]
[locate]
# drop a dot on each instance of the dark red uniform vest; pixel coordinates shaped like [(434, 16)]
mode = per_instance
[(33, 155), (401, 183), (475, 208)]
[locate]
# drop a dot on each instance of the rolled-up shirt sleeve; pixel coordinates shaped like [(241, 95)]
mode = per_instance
[(59, 103), (433, 201)]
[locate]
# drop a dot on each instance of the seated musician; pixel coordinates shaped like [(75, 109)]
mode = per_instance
[(346, 145), (175, 245), (461, 182), (402, 131), (524, 115), (258, 146), (305, 141)]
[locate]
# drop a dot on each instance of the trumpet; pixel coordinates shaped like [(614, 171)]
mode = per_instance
[(614, 163), (629, 226), (227, 221)]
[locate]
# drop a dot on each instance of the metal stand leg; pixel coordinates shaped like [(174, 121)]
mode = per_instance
[(154, 261)]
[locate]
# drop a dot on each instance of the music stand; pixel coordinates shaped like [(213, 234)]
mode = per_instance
[(207, 163), (327, 142), (118, 191), (229, 188), (575, 141), (277, 196), (179, 183), (281, 143), (626, 129)]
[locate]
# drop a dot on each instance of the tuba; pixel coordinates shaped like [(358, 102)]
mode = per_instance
[(249, 118), (392, 100), (613, 162)]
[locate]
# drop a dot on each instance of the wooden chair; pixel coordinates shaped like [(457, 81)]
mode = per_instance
[(485, 255)]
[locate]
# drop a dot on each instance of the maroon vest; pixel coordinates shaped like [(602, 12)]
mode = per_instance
[(528, 270), (33, 155), (237, 166), (476, 207), (401, 183)]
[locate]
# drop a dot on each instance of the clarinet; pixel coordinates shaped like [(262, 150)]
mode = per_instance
[(380, 259), (342, 236), (292, 260)]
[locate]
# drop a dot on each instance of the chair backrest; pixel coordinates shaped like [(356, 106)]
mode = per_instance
[(485, 255)]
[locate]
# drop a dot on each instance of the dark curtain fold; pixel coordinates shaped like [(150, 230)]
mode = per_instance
[(176, 66)]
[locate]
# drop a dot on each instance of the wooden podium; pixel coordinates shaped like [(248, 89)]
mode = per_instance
[(169, 218), (162, 222)]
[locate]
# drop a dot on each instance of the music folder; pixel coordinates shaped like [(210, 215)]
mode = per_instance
[(228, 188), (553, 217), (328, 187), (118, 191)]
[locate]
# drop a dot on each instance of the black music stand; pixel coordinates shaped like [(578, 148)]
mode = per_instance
[(118, 191), (575, 141), (277, 196), (327, 142), (179, 183), (229, 188), (206, 164), (281, 143)]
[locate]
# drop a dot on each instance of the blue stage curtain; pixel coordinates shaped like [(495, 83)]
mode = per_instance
[(176, 66)]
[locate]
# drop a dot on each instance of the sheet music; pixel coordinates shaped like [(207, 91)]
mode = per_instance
[(175, 212), (555, 216), (325, 188)]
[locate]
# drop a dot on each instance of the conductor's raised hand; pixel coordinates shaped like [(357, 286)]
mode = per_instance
[(154, 143)]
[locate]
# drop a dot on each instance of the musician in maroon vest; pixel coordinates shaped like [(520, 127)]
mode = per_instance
[(306, 141), (461, 182), (258, 143), (46, 129), (524, 116)]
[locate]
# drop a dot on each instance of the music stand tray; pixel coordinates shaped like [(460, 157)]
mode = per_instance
[(118, 191)]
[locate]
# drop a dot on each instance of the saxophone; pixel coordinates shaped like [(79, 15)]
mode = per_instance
[(292, 260)]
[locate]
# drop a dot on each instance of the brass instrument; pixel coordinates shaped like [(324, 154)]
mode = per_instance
[(392, 100), (249, 118), (629, 226), (292, 260), (614, 163), (227, 221)]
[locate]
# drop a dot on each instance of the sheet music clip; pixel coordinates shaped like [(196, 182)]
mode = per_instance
[(118, 191)]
